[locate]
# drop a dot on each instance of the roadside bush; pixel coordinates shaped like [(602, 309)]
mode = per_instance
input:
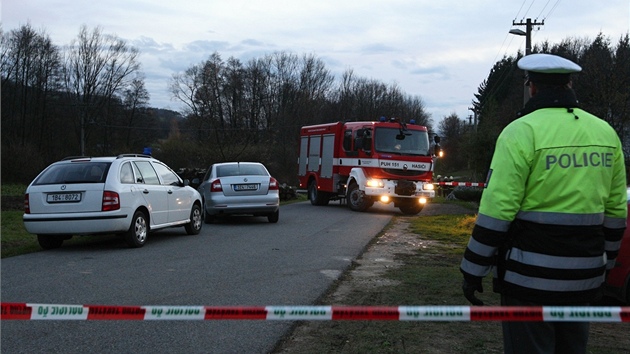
[(21, 162), (468, 194), (287, 192)]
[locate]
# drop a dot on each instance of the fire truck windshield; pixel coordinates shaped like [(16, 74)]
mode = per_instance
[(409, 142)]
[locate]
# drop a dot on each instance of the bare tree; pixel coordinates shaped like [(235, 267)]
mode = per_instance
[(30, 69), (257, 83), (29, 64), (346, 96), (256, 110), (314, 90), (98, 67), (136, 97)]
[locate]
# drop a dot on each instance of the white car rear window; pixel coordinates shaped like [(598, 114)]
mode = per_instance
[(74, 172)]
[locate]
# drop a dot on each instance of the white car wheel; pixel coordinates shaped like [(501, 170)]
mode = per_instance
[(136, 236)]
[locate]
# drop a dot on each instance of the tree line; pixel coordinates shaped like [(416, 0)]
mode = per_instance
[(88, 98), (85, 98), (602, 88)]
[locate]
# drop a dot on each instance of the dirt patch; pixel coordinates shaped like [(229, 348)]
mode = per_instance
[(381, 255), (369, 269)]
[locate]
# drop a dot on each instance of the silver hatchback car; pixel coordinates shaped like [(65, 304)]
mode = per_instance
[(232, 188), (128, 194)]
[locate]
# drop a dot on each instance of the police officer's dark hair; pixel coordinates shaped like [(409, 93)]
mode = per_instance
[(544, 81)]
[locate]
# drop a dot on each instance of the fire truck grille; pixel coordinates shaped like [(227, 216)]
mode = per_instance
[(405, 188), (403, 173)]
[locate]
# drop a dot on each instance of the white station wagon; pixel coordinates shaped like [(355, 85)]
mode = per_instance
[(128, 194)]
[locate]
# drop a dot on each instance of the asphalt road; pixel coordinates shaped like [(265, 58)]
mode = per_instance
[(236, 262)]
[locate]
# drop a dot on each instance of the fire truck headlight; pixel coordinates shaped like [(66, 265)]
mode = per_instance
[(375, 183), (385, 199), (422, 200), (428, 186)]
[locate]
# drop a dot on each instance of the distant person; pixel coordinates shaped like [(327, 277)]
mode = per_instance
[(553, 213)]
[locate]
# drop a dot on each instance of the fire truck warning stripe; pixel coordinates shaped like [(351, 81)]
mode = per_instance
[(26, 311)]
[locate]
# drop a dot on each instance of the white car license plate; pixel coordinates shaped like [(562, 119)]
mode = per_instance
[(63, 197), (245, 187)]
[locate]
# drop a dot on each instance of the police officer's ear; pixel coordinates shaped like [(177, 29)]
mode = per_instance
[(533, 89)]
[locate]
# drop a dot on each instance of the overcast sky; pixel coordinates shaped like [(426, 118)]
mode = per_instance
[(437, 50)]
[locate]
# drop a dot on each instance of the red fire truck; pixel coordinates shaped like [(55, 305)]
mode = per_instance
[(387, 161)]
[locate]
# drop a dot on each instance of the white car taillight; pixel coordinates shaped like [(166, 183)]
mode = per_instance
[(27, 206), (111, 201), (273, 184)]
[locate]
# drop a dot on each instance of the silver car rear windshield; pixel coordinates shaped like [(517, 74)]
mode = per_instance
[(241, 170), (74, 172)]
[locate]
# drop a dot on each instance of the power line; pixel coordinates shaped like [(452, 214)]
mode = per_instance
[(529, 8), (543, 9), (552, 9), (519, 10), (528, 33)]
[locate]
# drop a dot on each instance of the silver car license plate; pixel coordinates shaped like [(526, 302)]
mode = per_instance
[(63, 197), (245, 187)]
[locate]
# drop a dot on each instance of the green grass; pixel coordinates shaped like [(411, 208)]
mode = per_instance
[(453, 231), (14, 240), (12, 190)]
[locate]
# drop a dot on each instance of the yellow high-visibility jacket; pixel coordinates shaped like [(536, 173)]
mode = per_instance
[(554, 209)]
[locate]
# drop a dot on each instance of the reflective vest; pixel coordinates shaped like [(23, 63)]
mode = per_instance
[(554, 209)]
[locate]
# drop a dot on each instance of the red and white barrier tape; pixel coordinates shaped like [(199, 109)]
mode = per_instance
[(461, 184), (24, 311)]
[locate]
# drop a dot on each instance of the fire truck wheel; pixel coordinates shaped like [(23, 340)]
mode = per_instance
[(316, 197), (411, 208), (357, 200)]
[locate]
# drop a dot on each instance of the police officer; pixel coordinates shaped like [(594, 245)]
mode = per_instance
[(553, 213)]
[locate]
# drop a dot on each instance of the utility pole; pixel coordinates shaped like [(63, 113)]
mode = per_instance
[(528, 32), (472, 109), (528, 42)]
